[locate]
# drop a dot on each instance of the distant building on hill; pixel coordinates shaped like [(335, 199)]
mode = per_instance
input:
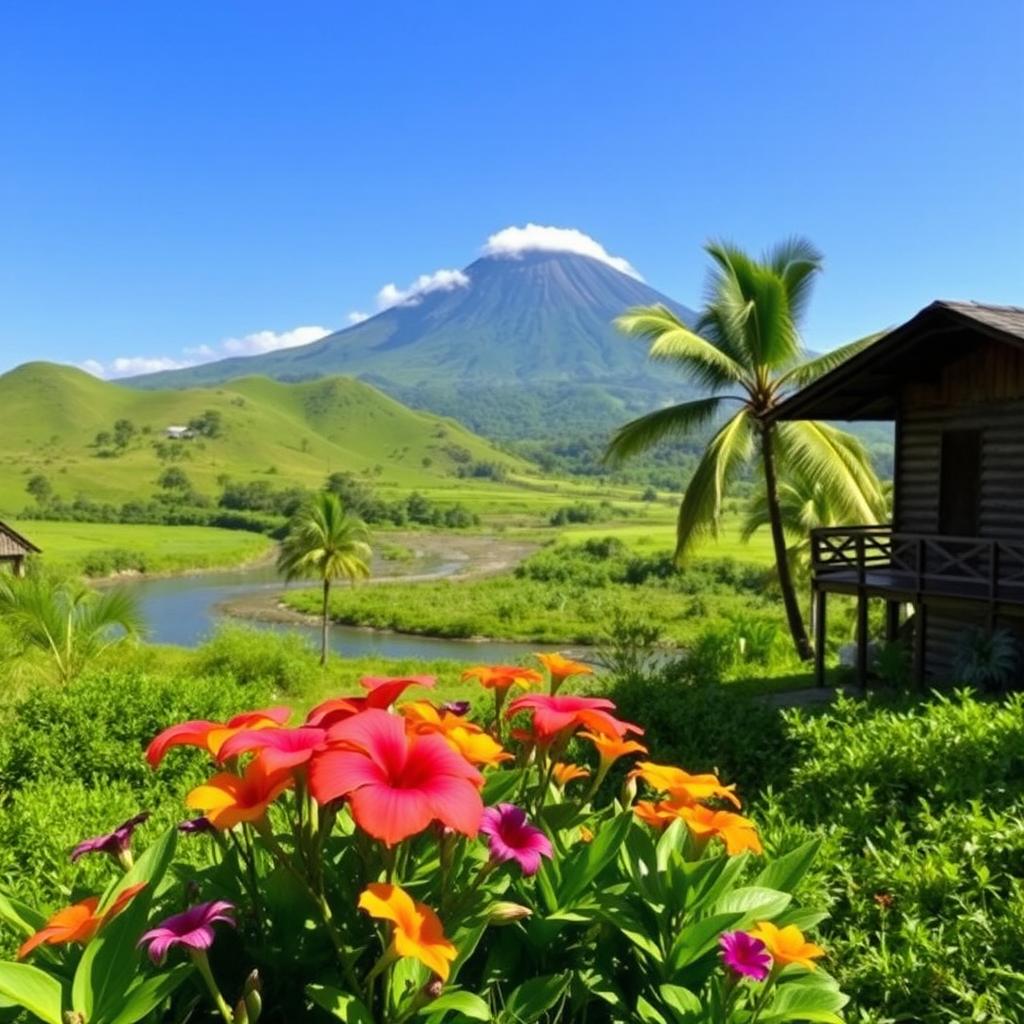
[(14, 549), (179, 433), (952, 379)]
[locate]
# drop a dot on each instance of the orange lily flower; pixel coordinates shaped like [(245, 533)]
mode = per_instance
[(418, 931), (681, 786), (787, 945), (501, 677), (656, 815), (465, 738), (211, 736), (564, 773), (228, 799), (561, 668), (738, 833), (79, 922), (611, 748)]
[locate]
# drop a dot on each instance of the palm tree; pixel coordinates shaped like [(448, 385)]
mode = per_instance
[(67, 621), (746, 348), (326, 543)]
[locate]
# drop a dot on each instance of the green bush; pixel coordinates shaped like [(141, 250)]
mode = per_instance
[(921, 808), (281, 661)]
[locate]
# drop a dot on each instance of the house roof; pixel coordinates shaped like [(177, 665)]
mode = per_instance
[(13, 545), (866, 387)]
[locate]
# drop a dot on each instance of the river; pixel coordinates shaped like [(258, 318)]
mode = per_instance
[(184, 610)]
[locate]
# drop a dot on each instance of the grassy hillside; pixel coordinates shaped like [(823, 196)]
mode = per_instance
[(282, 433)]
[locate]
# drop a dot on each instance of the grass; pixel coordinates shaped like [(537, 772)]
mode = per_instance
[(74, 546)]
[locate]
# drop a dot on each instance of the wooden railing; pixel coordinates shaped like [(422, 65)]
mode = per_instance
[(877, 556)]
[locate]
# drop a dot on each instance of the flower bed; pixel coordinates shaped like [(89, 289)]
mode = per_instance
[(390, 860)]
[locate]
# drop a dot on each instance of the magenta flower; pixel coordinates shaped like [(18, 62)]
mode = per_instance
[(192, 929), (745, 955), (117, 843), (512, 837), (194, 826), (456, 707)]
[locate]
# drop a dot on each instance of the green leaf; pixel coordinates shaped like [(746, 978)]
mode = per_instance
[(110, 961), (149, 994), (20, 915), (339, 1004), (647, 1013), (784, 873), (754, 903), (579, 870), (696, 939), (532, 999), (621, 913), (681, 1001), (499, 786), (32, 989), (808, 997), (466, 1003)]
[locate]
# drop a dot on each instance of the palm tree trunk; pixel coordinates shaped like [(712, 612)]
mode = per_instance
[(794, 618), (326, 622)]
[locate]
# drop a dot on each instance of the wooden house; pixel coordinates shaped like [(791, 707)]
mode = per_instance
[(952, 560), (14, 549)]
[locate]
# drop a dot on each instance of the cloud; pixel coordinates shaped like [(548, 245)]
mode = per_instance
[(357, 317), (513, 241), (131, 366), (439, 281), (270, 341)]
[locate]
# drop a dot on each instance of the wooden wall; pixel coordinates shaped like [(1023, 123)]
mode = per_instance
[(984, 391)]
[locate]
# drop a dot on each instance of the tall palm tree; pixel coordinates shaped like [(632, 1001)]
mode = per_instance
[(67, 621), (327, 543), (745, 348)]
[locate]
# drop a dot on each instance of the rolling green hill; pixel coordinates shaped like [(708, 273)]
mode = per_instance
[(283, 433)]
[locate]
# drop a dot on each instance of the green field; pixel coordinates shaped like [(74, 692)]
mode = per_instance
[(157, 548)]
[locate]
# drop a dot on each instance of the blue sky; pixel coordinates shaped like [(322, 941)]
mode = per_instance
[(174, 175)]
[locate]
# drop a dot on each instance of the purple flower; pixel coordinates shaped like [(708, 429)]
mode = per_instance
[(512, 837), (117, 843), (193, 929), (745, 955), (456, 707), (193, 826)]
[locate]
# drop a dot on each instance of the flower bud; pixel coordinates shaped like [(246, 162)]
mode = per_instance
[(628, 793), (252, 997), (433, 988), (73, 1017), (503, 912)]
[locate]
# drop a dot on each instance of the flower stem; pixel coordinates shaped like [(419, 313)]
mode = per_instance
[(199, 958)]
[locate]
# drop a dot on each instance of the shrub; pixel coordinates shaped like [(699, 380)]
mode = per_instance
[(280, 661)]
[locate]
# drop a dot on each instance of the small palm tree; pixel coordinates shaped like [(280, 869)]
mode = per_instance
[(745, 348), (67, 621), (327, 543)]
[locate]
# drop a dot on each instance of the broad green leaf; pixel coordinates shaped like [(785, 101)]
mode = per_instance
[(629, 918), (681, 1001), (145, 997), (785, 872), (339, 1004), (501, 785), (809, 997), (584, 866), (722, 874), (532, 999), (33, 989), (696, 939), (20, 915), (669, 841), (754, 902), (466, 1003), (647, 1013)]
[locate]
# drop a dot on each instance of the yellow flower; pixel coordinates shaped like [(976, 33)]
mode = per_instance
[(683, 787), (787, 945), (465, 738), (561, 668), (418, 931)]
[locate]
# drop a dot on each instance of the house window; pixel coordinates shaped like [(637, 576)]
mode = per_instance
[(960, 484)]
